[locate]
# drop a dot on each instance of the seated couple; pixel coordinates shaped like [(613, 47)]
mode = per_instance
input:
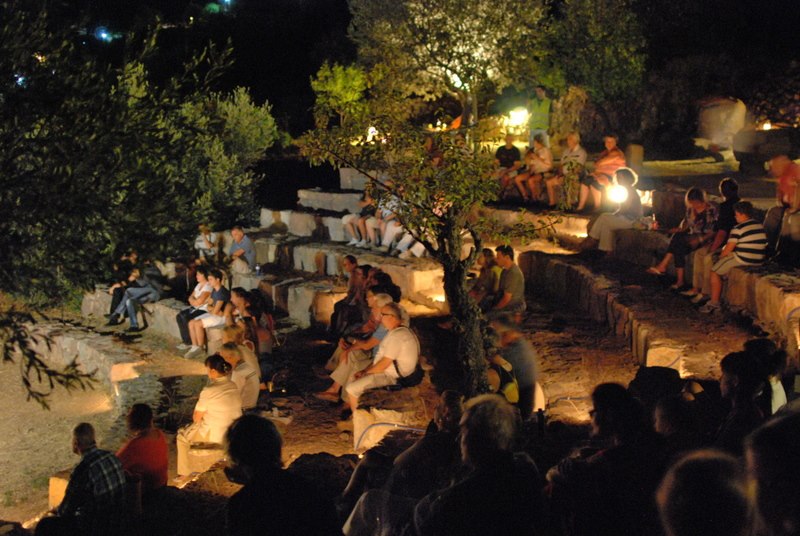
[(394, 354)]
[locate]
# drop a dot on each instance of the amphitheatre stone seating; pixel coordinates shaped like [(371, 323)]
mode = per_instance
[(667, 333)]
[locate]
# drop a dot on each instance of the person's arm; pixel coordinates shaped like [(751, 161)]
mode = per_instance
[(200, 300), (729, 247), (236, 253), (504, 300), (719, 239), (376, 368), (197, 416), (217, 308), (365, 345)]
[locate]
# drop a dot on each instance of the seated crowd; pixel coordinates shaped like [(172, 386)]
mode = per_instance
[(696, 460)]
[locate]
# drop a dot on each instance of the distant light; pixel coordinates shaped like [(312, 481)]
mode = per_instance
[(518, 117), (617, 194), (767, 125), (372, 133), (101, 33), (212, 7), (21, 80), (41, 58)]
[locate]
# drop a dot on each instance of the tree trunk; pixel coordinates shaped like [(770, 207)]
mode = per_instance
[(467, 317)]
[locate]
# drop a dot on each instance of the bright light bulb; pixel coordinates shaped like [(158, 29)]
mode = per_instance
[(518, 117), (617, 194), (766, 126)]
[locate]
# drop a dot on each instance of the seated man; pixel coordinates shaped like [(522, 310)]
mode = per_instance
[(94, 500), (242, 254), (573, 161), (207, 243), (355, 352), (146, 453), (516, 349), (508, 160), (397, 355), (273, 500), (538, 161), (499, 494), (601, 234), (511, 290), (348, 308), (609, 161), (125, 272), (777, 222), (706, 493), (746, 246), (611, 491), (146, 288)]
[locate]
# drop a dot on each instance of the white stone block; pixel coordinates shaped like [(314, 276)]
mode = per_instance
[(246, 281), (664, 356), (333, 201), (352, 179), (265, 250)]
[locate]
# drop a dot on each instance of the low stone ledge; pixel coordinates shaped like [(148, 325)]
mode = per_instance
[(311, 303), (670, 333), (301, 223), (332, 201)]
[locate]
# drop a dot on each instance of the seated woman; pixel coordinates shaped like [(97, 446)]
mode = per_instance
[(396, 356), (538, 161), (355, 225), (601, 235), (235, 334), (214, 316), (218, 406), (488, 282), (355, 352), (146, 453), (696, 229), (198, 305), (609, 161)]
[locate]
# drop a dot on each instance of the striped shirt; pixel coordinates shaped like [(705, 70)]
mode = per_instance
[(751, 242)]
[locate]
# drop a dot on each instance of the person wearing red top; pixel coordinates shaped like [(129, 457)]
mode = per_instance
[(609, 161), (145, 454), (776, 223)]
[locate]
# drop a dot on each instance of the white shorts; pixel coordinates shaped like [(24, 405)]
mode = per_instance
[(726, 264), (211, 321)]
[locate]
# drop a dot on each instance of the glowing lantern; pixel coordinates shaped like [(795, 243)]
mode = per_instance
[(518, 117)]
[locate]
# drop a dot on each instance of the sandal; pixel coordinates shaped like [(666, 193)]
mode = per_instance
[(678, 288), (654, 271)]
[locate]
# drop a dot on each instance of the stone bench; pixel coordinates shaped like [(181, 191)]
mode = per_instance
[(160, 316), (570, 229), (203, 455), (346, 201), (381, 410), (769, 294), (671, 333), (301, 223)]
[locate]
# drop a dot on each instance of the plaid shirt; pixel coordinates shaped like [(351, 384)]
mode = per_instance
[(96, 488)]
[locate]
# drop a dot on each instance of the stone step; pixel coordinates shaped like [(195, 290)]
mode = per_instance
[(302, 223), (160, 316), (768, 294), (352, 179), (569, 228), (331, 201), (663, 330)]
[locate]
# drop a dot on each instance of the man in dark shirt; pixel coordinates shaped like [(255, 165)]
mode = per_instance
[(516, 349), (705, 257), (509, 161), (511, 292), (273, 500), (94, 498)]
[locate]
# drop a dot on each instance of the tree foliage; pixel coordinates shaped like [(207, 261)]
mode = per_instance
[(95, 158), (437, 183), (340, 90), (458, 47)]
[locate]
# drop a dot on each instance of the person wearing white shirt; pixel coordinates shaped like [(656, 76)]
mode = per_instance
[(206, 243), (198, 305), (397, 355), (244, 375), (218, 406)]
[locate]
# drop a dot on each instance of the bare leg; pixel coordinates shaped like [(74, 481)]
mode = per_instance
[(584, 196), (362, 228), (716, 287), (535, 186), (662, 266), (597, 196), (551, 189), (679, 276), (519, 181)]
